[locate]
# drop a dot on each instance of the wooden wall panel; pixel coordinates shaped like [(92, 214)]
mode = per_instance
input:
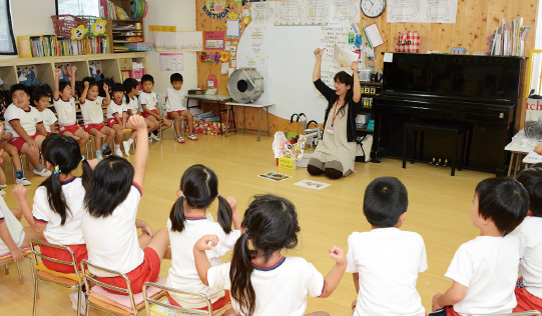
[(476, 20)]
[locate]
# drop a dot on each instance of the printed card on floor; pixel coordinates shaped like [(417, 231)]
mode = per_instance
[(315, 185), (274, 176)]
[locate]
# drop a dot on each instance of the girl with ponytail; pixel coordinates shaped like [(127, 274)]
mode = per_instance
[(188, 222), (58, 202), (261, 280)]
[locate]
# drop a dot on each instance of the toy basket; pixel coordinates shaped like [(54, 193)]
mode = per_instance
[(63, 24)]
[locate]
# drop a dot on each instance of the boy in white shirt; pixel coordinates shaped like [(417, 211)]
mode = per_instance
[(484, 270), (529, 289), (149, 106), (40, 99), (385, 261), (176, 109), (65, 108)]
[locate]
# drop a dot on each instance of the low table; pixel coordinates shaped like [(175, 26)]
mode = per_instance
[(260, 106), (518, 153)]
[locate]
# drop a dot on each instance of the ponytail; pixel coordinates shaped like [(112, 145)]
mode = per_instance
[(86, 178), (224, 214), (240, 271), (55, 196), (176, 216)]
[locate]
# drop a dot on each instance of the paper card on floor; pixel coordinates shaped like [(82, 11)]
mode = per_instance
[(315, 185), (274, 176)]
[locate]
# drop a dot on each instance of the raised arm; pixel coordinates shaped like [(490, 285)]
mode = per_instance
[(72, 79), (56, 91), (107, 95), (203, 265), (316, 73), (333, 278), (142, 149), (356, 85), (83, 96)]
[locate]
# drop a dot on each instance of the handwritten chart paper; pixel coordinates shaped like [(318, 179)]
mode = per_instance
[(422, 11)]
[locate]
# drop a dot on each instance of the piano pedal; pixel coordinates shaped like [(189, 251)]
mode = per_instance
[(438, 162), (445, 163), (432, 161)]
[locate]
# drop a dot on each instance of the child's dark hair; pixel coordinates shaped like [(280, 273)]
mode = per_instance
[(199, 185), (17, 87), (531, 179), (175, 77), (91, 82), (146, 78), (62, 85), (38, 94), (503, 200), (63, 153), (111, 183), (386, 198), (129, 84), (117, 87), (271, 224)]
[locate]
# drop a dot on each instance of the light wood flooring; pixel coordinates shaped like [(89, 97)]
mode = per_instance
[(438, 209)]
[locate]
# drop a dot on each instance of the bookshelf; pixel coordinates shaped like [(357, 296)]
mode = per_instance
[(124, 32)]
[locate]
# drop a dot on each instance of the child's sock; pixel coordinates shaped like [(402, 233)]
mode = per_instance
[(19, 174), (130, 141), (104, 147), (99, 155), (39, 168)]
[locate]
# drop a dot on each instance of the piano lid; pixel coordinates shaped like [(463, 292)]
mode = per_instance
[(461, 77)]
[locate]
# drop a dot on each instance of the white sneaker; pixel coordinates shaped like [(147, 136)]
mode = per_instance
[(3, 186), (150, 139), (118, 152), (2, 192), (156, 138), (73, 298), (126, 148), (22, 181), (43, 173)]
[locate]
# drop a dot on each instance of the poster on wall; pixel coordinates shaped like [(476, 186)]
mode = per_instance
[(213, 40), (171, 61), (176, 41), (422, 11)]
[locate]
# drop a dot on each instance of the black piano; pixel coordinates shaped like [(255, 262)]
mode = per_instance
[(479, 91)]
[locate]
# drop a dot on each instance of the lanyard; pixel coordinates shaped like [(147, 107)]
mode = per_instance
[(335, 113)]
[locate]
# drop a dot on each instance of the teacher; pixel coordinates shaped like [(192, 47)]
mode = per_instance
[(336, 152)]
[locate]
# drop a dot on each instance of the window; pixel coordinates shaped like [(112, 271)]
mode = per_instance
[(78, 7), (7, 41)]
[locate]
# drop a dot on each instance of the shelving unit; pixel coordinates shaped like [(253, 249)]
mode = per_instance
[(368, 91), (124, 29)]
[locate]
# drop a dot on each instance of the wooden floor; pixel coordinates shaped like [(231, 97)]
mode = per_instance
[(438, 210)]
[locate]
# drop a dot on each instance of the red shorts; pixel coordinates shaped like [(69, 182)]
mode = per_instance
[(147, 271), (112, 122), (19, 141), (179, 111), (88, 127), (526, 301), (145, 114), (221, 302), (72, 129), (80, 252)]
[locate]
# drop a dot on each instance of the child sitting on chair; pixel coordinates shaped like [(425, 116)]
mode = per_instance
[(176, 109)]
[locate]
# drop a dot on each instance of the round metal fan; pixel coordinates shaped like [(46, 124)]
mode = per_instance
[(245, 85)]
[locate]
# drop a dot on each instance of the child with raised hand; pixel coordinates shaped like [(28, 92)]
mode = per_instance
[(176, 108), (117, 117), (484, 270), (262, 281), (110, 224), (26, 127), (385, 261), (188, 222), (149, 104), (64, 101), (93, 117), (529, 288)]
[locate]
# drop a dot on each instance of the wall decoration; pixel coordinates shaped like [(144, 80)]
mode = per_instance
[(216, 9), (213, 39)]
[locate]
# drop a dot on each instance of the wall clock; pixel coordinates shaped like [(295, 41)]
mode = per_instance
[(373, 8)]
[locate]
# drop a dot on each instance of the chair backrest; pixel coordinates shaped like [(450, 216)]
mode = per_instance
[(528, 313), (149, 301), (91, 278), (37, 243)]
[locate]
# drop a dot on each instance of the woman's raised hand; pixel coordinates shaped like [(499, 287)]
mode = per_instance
[(319, 52)]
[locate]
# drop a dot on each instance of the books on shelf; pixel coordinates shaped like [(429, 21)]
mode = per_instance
[(51, 45), (112, 11), (509, 39)]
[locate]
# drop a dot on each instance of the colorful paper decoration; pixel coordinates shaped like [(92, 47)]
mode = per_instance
[(79, 32), (98, 28)]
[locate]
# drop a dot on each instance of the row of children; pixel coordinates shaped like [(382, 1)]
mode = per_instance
[(26, 126), (95, 216)]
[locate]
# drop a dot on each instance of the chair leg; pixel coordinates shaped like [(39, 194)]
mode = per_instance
[(455, 153), (79, 300), (414, 145), (21, 280), (35, 296), (405, 139), (7, 269)]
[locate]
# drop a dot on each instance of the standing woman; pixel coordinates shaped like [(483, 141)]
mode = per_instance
[(336, 152)]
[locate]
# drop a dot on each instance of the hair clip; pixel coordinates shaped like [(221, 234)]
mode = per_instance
[(248, 232), (57, 170), (218, 195), (82, 157)]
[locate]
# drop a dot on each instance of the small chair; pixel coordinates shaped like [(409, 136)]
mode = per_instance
[(7, 259), (155, 301), (41, 272), (529, 313), (98, 301)]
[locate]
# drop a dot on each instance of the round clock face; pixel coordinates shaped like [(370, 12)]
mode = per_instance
[(373, 8)]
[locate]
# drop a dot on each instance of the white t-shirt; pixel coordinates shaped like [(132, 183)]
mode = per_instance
[(530, 264), (148, 99), (27, 118), (281, 288), (114, 108), (112, 240), (92, 111), (14, 227), (70, 233), (65, 110), (49, 118), (183, 273), (131, 105), (176, 100), (388, 261), (488, 266)]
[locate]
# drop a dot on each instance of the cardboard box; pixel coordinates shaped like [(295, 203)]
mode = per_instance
[(125, 63)]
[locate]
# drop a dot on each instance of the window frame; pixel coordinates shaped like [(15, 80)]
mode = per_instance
[(10, 24), (56, 7)]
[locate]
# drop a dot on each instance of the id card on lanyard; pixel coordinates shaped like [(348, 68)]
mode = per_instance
[(331, 130)]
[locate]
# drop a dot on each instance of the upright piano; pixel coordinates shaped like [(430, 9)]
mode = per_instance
[(478, 91)]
